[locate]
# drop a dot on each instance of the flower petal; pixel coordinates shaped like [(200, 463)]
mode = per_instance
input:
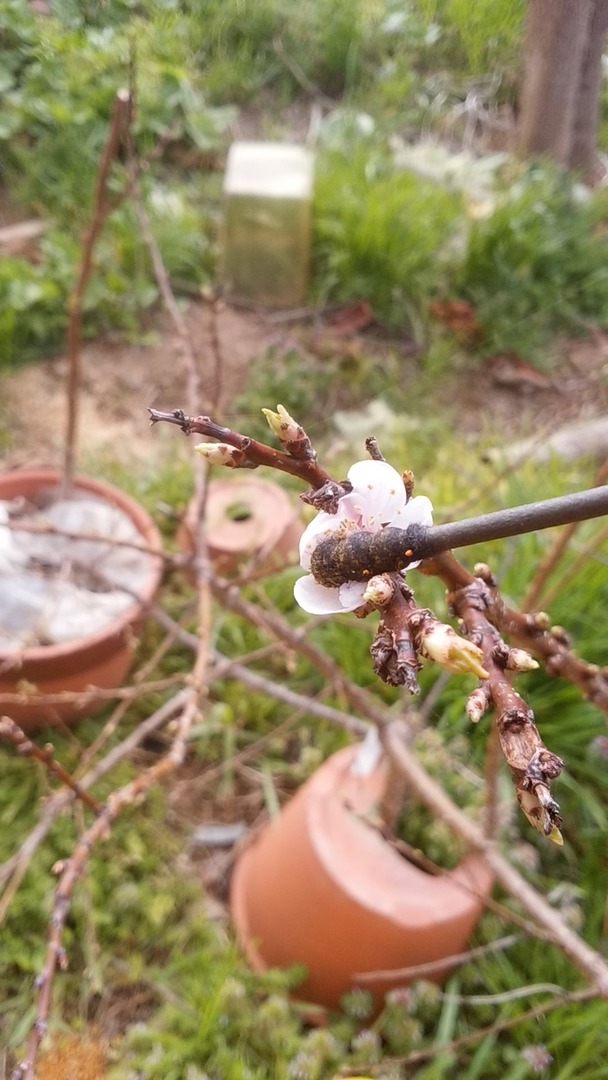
[(351, 595), (317, 599), (418, 511), (322, 523), (381, 490)]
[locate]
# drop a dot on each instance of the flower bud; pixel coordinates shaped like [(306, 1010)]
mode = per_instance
[(290, 434), (541, 620), (476, 705), (282, 424), (536, 806), (454, 653), (379, 590), (222, 454), (520, 660)]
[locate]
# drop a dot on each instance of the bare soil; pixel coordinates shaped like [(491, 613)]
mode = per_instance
[(120, 380)]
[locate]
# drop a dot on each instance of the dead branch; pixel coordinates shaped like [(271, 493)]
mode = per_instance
[(11, 732), (419, 971), (71, 870), (13, 869), (102, 206)]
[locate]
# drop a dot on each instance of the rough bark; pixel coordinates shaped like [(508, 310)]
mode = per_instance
[(583, 145), (561, 80)]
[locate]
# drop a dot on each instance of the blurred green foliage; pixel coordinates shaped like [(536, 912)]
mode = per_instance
[(531, 264), (141, 903), (400, 237)]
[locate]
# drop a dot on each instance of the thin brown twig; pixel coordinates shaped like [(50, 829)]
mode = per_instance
[(13, 869), (279, 627), (102, 206), (531, 600), (528, 631), (140, 679), (224, 667), (582, 556), (491, 785), (71, 870), (91, 947), (532, 597), (82, 697), (254, 453), (41, 528), (11, 732), (531, 765), (215, 307)]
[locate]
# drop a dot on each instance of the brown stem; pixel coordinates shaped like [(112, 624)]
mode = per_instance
[(102, 206), (11, 731), (546, 566), (596, 542), (528, 632), (531, 765), (14, 868), (72, 869), (256, 453), (554, 553)]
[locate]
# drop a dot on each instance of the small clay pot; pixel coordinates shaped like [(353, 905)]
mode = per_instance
[(99, 660), (247, 519), (320, 887)]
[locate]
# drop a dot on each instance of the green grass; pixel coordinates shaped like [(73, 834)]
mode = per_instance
[(532, 268), (534, 264), (138, 917), (381, 234)]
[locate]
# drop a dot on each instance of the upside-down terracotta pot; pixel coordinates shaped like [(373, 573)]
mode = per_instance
[(100, 660), (247, 519), (320, 887)]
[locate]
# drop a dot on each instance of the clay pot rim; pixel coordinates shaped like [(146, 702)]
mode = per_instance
[(148, 531)]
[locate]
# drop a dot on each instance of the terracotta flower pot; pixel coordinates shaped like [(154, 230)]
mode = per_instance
[(320, 887), (245, 518), (101, 659)]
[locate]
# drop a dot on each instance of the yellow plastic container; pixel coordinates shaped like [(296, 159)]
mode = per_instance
[(267, 223)]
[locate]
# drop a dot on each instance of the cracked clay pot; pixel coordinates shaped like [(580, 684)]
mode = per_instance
[(320, 887)]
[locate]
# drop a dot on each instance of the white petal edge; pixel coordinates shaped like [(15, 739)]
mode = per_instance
[(351, 595), (322, 523), (317, 599), (380, 487), (418, 511)]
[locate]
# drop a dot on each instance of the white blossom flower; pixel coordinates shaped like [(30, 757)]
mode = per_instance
[(378, 499)]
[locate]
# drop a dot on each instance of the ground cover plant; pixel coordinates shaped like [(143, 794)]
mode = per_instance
[(376, 74), (238, 696), (240, 743)]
